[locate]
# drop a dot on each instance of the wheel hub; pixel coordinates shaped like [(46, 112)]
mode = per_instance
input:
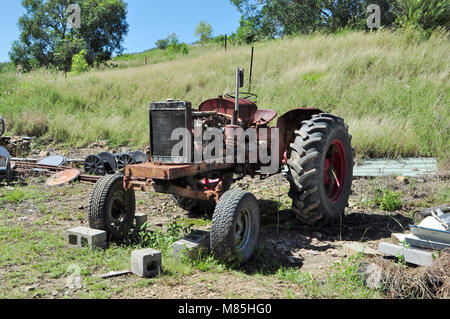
[(243, 228), (334, 170), (117, 210)]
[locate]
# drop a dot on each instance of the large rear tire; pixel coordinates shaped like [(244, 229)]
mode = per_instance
[(320, 169), (235, 226), (111, 207)]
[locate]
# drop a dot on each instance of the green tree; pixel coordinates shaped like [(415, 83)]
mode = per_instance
[(272, 18), (66, 49), (162, 44), (79, 63), (46, 38), (204, 30), (184, 49), (172, 40), (247, 32), (173, 45), (428, 14)]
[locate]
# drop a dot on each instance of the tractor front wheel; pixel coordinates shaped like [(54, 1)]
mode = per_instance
[(235, 226), (111, 207), (320, 169)]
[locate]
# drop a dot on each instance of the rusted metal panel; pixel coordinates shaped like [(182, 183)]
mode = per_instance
[(167, 188), (288, 123), (247, 109), (406, 167), (63, 177), (171, 171), (264, 116)]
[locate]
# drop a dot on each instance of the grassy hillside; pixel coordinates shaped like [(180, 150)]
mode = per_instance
[(392, 90), (157, 56)]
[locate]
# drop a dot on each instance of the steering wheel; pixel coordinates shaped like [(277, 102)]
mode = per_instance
[(242, 95)]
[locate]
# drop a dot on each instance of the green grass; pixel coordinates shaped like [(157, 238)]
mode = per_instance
[(33, 255), (18, 194), (395, 103), (343, 281), (154, 56), (30, 254)]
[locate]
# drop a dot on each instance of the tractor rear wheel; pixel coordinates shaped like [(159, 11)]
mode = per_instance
[(320, 169), (111, 207)]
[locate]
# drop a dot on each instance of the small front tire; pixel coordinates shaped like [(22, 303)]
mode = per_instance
[(111, 207), (235, 226)]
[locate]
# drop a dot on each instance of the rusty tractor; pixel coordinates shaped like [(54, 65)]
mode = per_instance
[(312, 149)]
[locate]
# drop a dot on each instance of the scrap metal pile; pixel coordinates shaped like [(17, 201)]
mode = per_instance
[(420, 244), (59, 169), (62, 170)]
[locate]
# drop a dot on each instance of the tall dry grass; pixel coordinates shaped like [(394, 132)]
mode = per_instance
[(392, 89)]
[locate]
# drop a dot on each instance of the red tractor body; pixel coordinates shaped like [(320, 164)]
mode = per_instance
[(310, 148)]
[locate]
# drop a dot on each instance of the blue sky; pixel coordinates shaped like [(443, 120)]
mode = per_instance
[(149, 21)]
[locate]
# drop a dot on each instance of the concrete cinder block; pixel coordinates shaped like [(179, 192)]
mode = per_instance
[(80, 237), (414, 256), (193, 244), (146, 263), (140, 219)]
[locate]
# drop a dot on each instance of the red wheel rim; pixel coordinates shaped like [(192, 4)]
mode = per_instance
[(334, 171)]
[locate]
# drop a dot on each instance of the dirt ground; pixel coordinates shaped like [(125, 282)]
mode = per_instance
[(284, 242)]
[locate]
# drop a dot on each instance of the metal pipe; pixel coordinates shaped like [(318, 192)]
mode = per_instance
[(33, 160), (238, 84), (236, 99), (251, 73)]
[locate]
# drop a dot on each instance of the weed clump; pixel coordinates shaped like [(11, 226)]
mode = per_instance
[(388, 200), (431, 282), (159, 239)]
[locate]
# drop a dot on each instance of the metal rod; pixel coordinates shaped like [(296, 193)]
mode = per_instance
[(251, 72), (31, 160), (236, 99), (70, 160)]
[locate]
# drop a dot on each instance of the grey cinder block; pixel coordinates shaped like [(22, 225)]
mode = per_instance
[(80, 237), (140, 220), (194, 243), (146, 263), (414, 256), (358, 248)]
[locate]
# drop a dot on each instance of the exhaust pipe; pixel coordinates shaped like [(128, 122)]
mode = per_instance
[(239, 84)]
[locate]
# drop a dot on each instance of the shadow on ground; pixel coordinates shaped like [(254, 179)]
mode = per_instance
[(282, 233)]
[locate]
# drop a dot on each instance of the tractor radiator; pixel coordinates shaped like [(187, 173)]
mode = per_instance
[(165, 117)]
